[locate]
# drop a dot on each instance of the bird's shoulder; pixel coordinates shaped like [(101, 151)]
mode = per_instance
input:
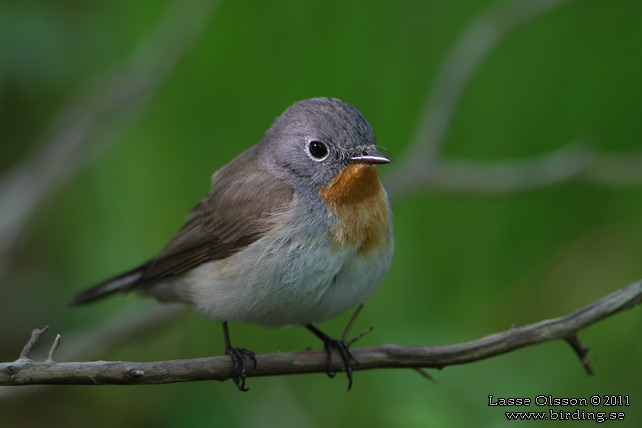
[(237, 211)]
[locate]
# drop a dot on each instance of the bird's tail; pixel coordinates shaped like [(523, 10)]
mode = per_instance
[(121, 283)]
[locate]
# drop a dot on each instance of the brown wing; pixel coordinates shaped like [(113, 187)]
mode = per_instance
[(232, 216)]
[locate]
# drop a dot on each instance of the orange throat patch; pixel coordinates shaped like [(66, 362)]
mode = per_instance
[(356, 196)]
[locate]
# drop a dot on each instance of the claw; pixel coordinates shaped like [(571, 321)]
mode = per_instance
[(330, 345), (239, 358)]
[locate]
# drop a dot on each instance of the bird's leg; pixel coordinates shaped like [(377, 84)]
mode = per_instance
[(238, 358), (344, 351)]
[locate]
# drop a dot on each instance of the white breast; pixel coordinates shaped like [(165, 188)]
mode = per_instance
[(289, 276)]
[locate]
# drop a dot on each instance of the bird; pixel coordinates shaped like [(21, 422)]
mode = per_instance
[(294, 231)]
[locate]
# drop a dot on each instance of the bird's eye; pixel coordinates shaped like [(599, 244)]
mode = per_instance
[(318, 150)]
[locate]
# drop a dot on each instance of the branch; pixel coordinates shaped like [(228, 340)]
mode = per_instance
[(472, 47), (571, 163), (474, 44), (421, 165), (95, 340), (27, 186), (25, 371)]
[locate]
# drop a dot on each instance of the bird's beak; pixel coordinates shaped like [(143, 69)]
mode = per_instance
[(372, 157)]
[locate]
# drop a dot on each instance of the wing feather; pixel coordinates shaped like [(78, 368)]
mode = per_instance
[(235, 214)]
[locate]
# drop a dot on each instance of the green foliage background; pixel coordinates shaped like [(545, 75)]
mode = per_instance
[(466, 264)]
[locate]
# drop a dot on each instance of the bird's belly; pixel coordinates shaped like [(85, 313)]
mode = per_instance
[(275, 281)]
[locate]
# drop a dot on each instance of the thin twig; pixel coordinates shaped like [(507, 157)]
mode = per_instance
[(53, 349), (359, 336), (27, 186), (581, 351), (452, 85), (571, 162), (473, 46), (425, 374), (35, 336), (25, 371), (96, 340), (346, 332)]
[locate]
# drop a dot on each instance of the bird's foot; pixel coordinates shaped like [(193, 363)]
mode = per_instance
[(239, 358), (340, 345)]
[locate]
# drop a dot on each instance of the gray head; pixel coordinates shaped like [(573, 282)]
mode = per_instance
[(314, 139)]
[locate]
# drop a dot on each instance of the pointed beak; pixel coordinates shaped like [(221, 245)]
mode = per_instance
[(372, 157)]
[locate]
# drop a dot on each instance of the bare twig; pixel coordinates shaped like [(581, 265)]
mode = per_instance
[(581, 351), (354, 317), (53, 349), (25, 371), (421, 165), (346, 332), (359, 336), (35, 337), (95, 340), (572, 162), (425, 374), (28, 185), (472, 47)]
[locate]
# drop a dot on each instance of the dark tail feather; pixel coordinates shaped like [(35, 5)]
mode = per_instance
[(121, 283)]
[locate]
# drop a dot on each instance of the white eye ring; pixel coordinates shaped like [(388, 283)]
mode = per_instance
[(317, 150)]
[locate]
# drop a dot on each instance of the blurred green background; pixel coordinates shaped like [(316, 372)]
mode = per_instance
[(466, 264)]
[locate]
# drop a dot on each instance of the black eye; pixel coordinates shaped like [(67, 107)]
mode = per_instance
[(318, 150)]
